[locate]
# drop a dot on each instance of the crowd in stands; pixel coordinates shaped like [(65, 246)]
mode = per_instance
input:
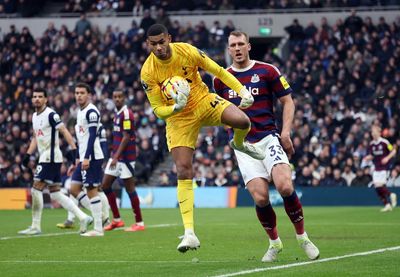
[(345, 76), (27, 8), (60, 58), (107, 7)]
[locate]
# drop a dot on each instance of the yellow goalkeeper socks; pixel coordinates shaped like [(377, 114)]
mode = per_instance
[(186, 202), (239, 135)]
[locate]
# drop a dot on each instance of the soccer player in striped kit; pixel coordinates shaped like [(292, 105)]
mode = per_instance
[(46, 126), (122, 164), (265, 82), (380, 151)]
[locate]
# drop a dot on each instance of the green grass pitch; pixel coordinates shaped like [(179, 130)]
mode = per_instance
[(232, 241)]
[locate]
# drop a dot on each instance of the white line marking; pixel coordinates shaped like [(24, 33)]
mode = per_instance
[(75, 232), (250, 271)]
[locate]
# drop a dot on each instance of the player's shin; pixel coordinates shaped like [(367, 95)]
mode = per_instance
[(105, 213), (67, 204), (186, 201), (267, 217), (37, 208), (95, 204), (71, 216), (133, 196), (84, 200), (112, 200), (294, 210), (239, 136)]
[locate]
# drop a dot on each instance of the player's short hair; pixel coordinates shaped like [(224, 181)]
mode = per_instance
[(85, 86), (41, 90), (120, 90), (238, 33), (156, 29)]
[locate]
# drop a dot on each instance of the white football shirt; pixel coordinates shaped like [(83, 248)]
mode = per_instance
[(45, 126), (86, 118)]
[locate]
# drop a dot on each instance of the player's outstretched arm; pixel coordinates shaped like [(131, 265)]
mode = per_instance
[(203, 61)]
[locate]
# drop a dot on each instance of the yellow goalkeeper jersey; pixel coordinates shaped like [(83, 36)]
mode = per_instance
[(185, 62)]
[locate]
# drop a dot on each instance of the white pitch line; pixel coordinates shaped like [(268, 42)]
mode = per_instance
[(250, 271), (75, 232)]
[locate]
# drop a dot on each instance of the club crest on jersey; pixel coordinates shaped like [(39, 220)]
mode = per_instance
[(39, 133), (255, 78), (81, 130)]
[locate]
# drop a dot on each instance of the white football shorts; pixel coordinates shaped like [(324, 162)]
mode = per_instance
[(123, 170), (252, 168), (379, 178)]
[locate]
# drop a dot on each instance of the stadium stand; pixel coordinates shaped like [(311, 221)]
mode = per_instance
[(345, 74)]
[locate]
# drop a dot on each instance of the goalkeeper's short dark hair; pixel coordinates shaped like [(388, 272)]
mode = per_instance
[(156, 29)]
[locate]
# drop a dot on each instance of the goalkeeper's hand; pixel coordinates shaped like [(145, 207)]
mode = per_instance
[(181, 95), (247, 98)]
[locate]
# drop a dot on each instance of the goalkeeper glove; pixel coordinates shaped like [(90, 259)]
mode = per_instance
[(247, 98), (181, 95)]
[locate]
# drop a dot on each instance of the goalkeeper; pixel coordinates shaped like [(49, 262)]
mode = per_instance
[(194, 108)]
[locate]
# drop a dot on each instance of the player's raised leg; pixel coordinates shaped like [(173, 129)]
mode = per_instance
[(183, 160), (240, 123)]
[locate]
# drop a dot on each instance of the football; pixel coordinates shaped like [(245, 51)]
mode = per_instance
[(169, 84)]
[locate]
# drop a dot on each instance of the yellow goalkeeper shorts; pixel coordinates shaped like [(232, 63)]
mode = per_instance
[(182, 129)]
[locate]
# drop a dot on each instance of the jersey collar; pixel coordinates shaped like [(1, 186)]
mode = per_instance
[(121, 110), (252, 63)]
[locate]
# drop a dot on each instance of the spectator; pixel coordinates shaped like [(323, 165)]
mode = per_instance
[(353, 22), (348, 175), (394, 179), (146, 21), (296, 33), (361, 180), (338, 179), (138, 8), (82, 25)]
